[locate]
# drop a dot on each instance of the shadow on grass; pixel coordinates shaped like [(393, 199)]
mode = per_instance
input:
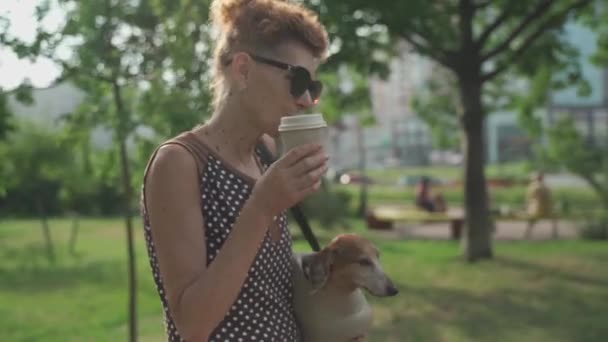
[(510, 315), (601, 257), (553, 272), (27, 269)]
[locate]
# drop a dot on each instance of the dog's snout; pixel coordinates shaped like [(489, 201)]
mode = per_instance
[(391, 290)]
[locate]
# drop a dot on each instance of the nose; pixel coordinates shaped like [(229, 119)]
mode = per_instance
[(391, 290), (305, 101)]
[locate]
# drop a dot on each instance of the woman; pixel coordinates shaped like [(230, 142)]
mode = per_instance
[(214, 215), (425, 201), (539, 204)]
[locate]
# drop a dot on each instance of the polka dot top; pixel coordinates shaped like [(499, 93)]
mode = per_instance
[(263, 310)]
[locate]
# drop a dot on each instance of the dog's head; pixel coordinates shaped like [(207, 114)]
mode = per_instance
[(350, 262)]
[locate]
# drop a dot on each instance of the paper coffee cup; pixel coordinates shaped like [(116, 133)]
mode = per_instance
[(296, 130)]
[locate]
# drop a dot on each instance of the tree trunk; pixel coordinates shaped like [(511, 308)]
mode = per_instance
[(362, 210), (46, 232), (74, 232), (477, 240), (127, 196)]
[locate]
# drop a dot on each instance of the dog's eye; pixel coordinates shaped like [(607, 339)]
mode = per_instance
[(364, 262)]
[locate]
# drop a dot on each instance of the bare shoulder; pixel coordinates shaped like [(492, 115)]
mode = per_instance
[(172, 159), (172, 185)]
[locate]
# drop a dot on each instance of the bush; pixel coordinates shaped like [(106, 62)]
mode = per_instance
[(595, 228), (329, 207)]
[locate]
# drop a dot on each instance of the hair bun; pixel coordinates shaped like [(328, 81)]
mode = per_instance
[(224, 13)]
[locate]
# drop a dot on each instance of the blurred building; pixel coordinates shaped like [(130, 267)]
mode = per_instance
[(400, 138), (51, 104), (508, 142)]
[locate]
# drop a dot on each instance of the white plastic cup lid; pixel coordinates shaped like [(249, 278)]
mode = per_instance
[(304, 121)]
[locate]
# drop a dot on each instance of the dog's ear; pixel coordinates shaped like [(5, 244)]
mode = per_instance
[(317, 268)]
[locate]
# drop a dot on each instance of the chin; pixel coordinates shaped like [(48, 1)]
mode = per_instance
[(274, 134), (273, 128)]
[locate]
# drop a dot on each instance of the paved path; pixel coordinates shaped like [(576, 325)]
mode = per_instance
[(505, 231), (565, 180)]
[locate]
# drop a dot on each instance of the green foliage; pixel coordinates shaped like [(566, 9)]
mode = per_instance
[(567, 147), (32, 171), (437, 104), (598, 21), (57, 172), (595, 227), (566, 141), (21, 94), (330, 207), (345, 92), (5, 116), (176, 94), (583, 158), (143, 66)]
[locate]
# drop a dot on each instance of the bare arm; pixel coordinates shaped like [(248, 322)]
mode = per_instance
[(196, 302)]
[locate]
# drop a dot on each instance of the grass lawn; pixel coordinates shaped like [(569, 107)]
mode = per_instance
[(532, 291)]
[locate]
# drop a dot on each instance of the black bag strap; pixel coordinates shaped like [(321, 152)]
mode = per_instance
[(296, 210)]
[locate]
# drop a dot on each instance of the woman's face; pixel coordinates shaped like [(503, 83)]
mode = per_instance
[(269, 91)]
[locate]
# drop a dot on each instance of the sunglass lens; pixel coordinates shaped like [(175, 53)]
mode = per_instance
[(299, 81), (315, 88)]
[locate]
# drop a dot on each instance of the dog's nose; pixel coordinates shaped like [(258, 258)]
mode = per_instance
[(391, 290)]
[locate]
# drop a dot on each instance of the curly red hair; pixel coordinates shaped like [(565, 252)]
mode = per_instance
[(262, 25)]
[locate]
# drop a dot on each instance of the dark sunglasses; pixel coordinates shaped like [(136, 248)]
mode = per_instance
[(299, 77)]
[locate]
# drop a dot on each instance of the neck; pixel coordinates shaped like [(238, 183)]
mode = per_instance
[(232, 133)]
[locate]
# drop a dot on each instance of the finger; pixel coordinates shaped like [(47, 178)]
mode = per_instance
[(312, 177), (305, 192), (297, 153), (307, 164)]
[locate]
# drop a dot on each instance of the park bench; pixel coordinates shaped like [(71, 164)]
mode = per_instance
[(383, 217)]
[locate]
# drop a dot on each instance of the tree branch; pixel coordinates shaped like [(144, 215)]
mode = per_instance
[(493, 26), (466, 11), (425, 48), (540, 9), (482, 4), (542, 28)]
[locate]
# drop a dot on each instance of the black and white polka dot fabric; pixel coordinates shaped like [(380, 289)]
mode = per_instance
[(263, 310)]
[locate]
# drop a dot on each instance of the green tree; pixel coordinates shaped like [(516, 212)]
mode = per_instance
[(479, 42), (566, 147), (141, 64), (102, 63), (588, 160), (35, 162), (436, 103), (5, 113), (22, 93)]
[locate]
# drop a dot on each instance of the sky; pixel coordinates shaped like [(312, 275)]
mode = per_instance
[(23, 25)]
